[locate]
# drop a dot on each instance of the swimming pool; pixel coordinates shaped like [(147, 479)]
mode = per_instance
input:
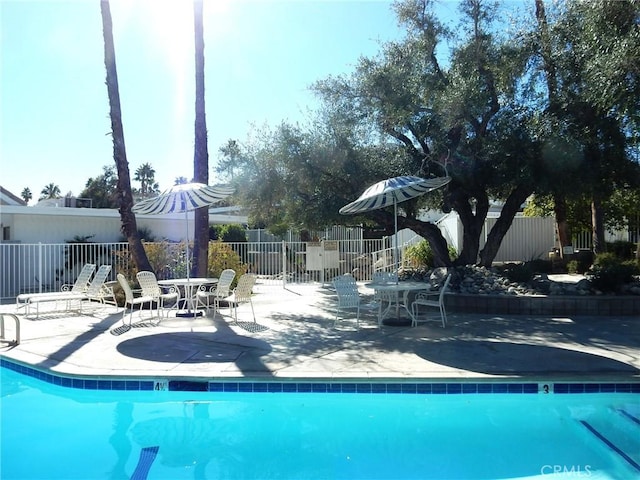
[(52, 432)]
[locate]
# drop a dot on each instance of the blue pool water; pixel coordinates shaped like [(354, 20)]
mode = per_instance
[(52, 432)]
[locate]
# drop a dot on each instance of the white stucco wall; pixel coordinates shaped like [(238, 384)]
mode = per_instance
[(58, 225)]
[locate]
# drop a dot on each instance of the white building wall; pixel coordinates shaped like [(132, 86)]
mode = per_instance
[(528, 238), (58, 225), (452, 230)]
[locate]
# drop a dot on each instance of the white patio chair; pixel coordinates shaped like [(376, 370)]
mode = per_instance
[(348, 296), (431, 300), (242, 294), (381, 296), (150, 288), (208, 297), (130, 300)]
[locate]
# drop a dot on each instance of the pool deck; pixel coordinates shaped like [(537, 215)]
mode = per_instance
[(294, 338)]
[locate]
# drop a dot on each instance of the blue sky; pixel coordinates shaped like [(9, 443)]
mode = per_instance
[(260, 58)]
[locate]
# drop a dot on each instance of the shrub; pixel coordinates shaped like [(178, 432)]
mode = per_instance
[(584, 260), (609, 273), (540, 265), (167, 259), (518, 272), (222, 256), (421, 255), (228, 233), (573, 267), (622, 249), (146, 234)]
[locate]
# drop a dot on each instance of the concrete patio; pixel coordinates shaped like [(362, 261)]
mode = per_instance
[(294, 338)]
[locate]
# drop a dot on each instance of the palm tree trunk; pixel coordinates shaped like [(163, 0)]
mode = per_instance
[(201, 155), (125, 197)]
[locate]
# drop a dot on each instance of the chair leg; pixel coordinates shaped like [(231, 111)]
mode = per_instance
[(252, 311), (443, 316)]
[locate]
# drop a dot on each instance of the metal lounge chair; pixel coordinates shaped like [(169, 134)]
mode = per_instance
[(242, 294), (208, 297), (79, 286), (96, 291), (150, 288), (431, 299)]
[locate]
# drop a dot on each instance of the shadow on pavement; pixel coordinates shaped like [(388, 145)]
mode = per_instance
[(500, 357)]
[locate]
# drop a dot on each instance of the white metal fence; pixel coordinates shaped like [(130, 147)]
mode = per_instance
[(46, 267)]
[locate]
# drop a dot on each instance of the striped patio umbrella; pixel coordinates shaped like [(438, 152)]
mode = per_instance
[(391, 192), (183, 198)]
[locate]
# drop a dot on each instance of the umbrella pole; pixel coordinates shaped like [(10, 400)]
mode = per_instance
[(186, 221), (395, 238)]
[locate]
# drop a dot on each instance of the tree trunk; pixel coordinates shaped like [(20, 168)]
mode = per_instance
[(501, 227), (125, 197), (472, 223), (597, 225), (201, 155), (560, 210), (434, 236)]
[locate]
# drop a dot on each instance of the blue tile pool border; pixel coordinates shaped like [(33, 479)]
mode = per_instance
[(406, 387)]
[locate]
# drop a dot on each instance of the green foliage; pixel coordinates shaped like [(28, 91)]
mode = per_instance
[(482, 104), (584, 260), (167, 259), (231, 233), (420, 255), (102, 189), (518, 272), (145, 174), (622, 249), (146, 234), (609, 273), (50, 191), (221, 257), (540, 265), (573, 267)]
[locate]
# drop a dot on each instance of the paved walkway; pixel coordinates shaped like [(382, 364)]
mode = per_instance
[(294, 338)]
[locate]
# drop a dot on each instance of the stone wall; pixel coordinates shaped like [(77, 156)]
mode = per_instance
[(544, 305)]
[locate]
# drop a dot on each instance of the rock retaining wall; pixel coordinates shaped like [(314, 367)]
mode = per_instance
[(543, 305)]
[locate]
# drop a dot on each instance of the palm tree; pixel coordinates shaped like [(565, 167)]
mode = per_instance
[(201, 155), (123, 188), (50, 191), (180, 181), (26, 195), (145, 174)]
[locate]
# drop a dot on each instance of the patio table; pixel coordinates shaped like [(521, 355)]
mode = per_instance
[(400, 300), (190, 287)]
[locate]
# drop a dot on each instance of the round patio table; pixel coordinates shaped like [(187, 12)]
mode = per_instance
[(402, 290), (190, 287)]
